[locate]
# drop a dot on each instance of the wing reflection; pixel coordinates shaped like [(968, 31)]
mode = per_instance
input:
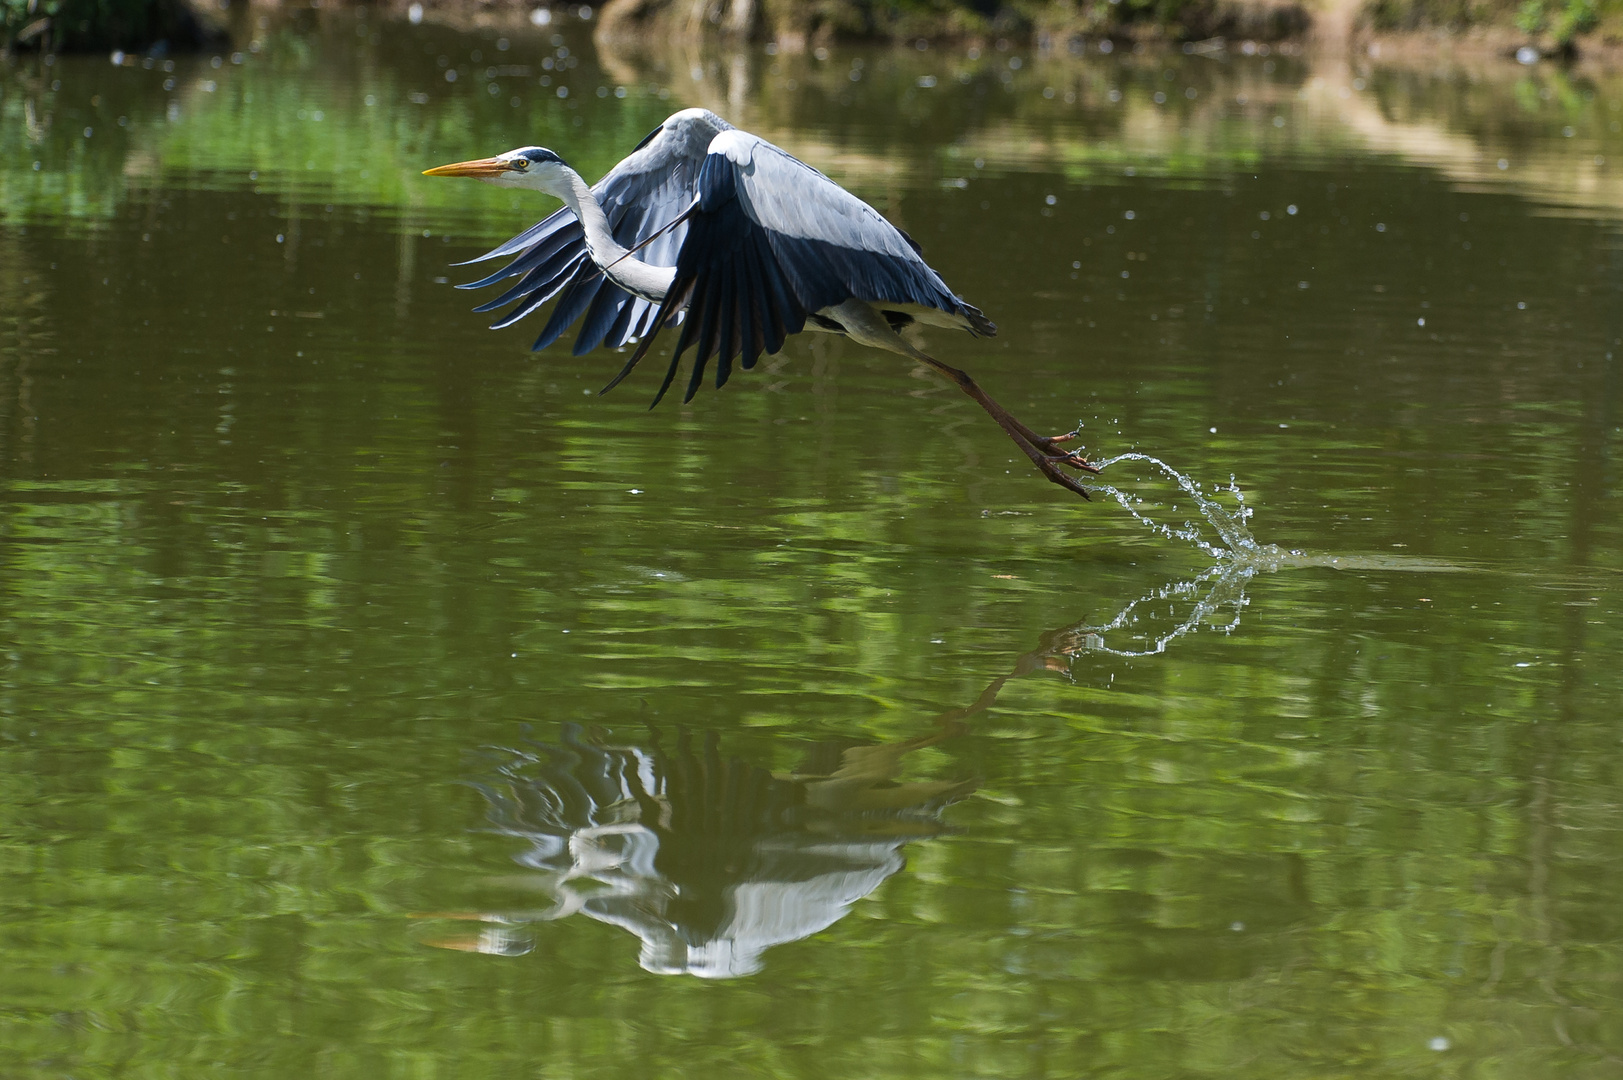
[(711, 860)]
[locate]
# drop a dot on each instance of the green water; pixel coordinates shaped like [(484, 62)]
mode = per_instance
[(377, 701)]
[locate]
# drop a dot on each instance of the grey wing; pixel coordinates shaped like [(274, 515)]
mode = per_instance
[(832, 245), (771, 242), (641, 195)]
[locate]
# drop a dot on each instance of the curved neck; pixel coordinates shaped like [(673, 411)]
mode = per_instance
[(617, 263)]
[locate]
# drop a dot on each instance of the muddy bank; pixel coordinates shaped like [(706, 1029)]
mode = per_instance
[(1529, 30), (1534, 29)]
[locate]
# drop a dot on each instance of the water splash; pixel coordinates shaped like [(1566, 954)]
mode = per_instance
[(1160, 617), (1234, 543), (1215, 597)]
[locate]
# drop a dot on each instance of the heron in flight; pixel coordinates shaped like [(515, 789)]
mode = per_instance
[(739, 242)]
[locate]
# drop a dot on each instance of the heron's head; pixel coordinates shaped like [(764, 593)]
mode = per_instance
[(533, 167)]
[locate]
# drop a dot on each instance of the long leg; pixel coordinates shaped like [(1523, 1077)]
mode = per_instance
[(1042, 450), (863, 323)]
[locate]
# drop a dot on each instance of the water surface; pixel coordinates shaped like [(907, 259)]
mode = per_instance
[(377, 700)]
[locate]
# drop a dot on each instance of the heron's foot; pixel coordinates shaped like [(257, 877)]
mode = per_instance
[(1052, 445), (1050, 466), (1060, 456), (1077, 461)]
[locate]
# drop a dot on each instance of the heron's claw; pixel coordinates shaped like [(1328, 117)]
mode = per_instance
[(1073, 458), (1050, 468), (1050, 444), (1077, 461)]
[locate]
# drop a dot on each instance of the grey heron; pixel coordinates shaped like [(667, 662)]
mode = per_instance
[(741, 243)]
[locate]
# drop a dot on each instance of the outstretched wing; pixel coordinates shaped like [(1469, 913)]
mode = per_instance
[(770, 242), (642, 195)]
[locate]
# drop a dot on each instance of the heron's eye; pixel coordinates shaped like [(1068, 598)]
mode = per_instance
[(519, 164)]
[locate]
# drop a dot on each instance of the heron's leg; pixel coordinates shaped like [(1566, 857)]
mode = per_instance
[(1040, 449), (864, 324), (1049, 444)]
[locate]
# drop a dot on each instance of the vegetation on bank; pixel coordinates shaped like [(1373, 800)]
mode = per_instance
[(89, 25), (1550, 26), (908, 20)]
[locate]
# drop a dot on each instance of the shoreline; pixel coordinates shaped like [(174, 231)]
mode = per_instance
[(1209, 27), (1252, 26)]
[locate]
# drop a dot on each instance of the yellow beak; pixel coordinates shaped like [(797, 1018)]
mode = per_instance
[(481, 169)]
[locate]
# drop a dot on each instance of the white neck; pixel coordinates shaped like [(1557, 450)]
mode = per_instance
[(617, 263)]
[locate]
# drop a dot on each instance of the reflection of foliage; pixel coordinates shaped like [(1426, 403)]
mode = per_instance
[(360, 138)]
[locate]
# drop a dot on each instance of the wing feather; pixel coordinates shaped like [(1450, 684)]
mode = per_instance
[(540, 296), (546, 269), (771, 241), (641, 195), (600, 317), (574, 299), (727, 312)]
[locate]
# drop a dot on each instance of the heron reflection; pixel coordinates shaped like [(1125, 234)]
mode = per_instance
[(710, 859)]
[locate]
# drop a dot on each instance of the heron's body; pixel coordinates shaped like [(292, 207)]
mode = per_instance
[(736, 240)]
